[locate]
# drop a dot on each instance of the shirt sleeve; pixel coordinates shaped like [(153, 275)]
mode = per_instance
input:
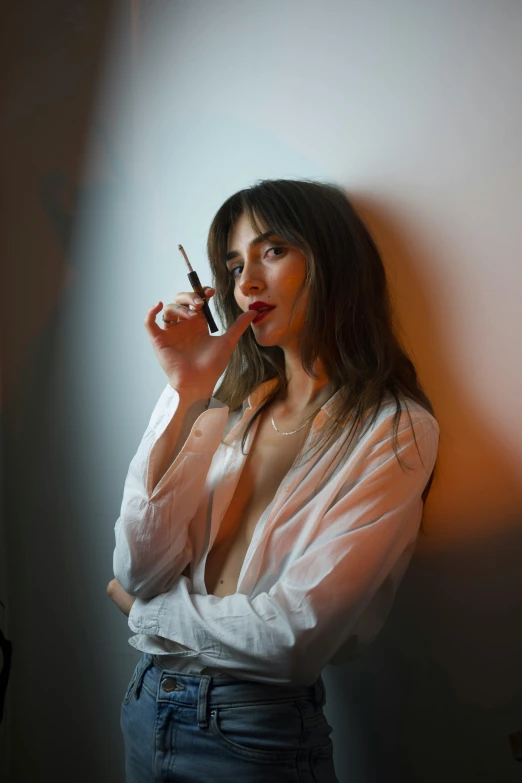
[(152, 543), (292, 631)]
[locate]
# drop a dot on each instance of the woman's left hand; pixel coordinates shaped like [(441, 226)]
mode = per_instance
[(123, 600)]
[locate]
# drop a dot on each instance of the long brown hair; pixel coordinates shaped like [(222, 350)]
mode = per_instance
[(348, 323)]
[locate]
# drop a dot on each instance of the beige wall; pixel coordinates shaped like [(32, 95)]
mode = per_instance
[(114, 155)]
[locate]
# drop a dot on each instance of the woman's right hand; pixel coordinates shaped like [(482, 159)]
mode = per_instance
[(190, 357)]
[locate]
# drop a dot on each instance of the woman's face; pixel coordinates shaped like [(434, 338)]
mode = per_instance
[(266, 268)]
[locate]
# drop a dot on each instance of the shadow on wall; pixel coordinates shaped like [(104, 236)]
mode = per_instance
[(472, 549), (443, 680), (55, 58)]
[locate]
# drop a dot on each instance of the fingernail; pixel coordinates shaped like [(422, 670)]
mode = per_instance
[(198, 300)]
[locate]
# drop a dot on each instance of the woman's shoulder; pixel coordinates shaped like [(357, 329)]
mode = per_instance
[(407, 406), (400, 415), (404, 408)]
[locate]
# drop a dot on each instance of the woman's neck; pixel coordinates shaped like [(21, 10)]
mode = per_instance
[(302, 391)]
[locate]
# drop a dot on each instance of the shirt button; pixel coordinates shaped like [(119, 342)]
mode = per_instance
[(198, 433)]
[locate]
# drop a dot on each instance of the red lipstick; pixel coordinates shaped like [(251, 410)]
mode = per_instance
[(197, 288), (261, 306)]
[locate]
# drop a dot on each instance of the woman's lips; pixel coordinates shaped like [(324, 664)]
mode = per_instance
[(262, 315)]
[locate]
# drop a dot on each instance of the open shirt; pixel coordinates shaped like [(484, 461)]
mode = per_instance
[(325, 559)]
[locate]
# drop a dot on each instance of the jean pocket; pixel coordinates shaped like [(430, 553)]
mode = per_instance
[(264, 733)]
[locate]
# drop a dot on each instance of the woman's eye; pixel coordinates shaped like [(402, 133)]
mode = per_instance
[(280, 249), (277, 250)]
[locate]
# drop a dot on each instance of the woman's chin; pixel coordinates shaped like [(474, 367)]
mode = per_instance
[(266, 342), (268, 338)]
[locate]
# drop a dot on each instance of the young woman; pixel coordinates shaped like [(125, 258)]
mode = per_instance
[(265, 526)]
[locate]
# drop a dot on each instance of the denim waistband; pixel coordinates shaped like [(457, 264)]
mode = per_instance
[(204, 692)]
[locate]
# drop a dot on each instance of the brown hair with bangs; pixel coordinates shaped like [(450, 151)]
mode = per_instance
[(348, 323)]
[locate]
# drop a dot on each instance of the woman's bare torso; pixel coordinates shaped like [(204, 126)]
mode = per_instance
[(270, 458)]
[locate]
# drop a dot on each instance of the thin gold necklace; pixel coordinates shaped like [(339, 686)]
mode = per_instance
[(293, 431)]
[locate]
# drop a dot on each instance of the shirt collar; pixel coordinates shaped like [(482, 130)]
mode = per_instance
[(260, 394)]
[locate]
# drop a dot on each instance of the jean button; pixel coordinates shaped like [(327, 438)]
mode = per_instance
[(169, 684)]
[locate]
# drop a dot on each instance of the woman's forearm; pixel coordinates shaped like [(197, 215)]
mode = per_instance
[(192, 403)]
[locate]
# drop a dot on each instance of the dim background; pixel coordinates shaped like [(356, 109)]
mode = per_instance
[(124, 127)]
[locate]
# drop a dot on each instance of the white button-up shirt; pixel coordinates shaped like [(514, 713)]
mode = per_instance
[(324, 562)]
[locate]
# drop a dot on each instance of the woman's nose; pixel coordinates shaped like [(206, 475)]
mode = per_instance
[(249, 282)]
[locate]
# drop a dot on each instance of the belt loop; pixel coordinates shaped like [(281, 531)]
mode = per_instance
[(146, 663), (204, 685), (320, 692)]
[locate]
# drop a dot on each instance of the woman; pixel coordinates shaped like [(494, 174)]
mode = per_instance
[(265, 527)]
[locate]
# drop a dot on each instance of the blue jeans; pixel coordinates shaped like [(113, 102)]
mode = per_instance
[(181, 728)]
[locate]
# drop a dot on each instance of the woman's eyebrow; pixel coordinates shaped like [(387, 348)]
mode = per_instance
[(256, 241)]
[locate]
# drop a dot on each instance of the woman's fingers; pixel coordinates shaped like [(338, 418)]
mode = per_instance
[(150, 320), (191, 298), (174, 312), (186, 305), (240, 325)]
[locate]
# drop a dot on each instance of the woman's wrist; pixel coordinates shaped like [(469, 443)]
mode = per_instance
[(192, 394)]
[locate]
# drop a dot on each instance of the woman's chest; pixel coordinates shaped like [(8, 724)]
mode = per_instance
[(270, 458)]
